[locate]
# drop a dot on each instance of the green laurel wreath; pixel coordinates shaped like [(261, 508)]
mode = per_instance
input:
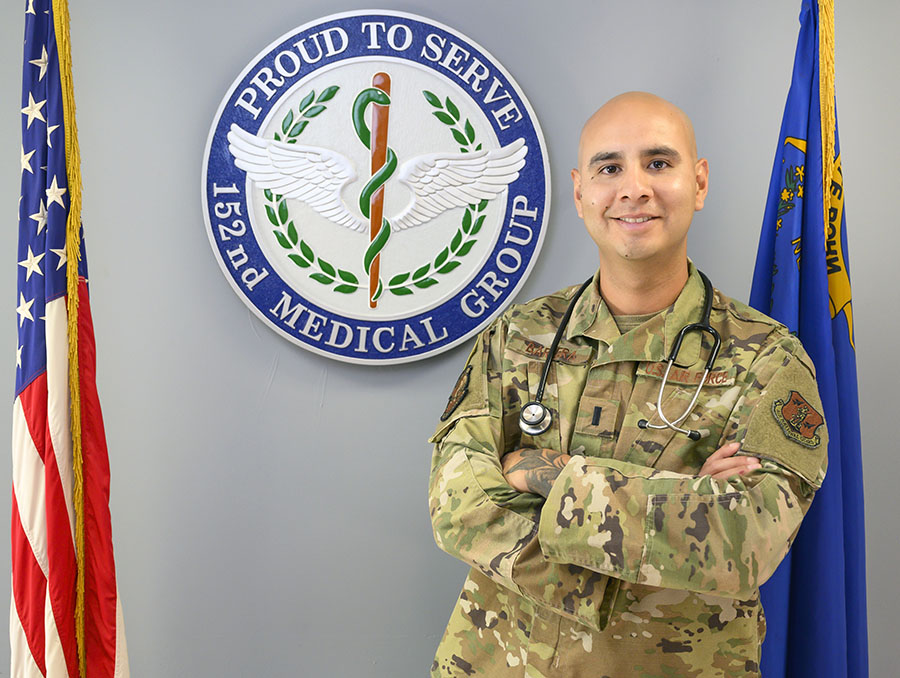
[(292, 130), (303, 255), (287, 236)]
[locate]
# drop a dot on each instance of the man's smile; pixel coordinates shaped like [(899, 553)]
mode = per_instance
[(634, 219)]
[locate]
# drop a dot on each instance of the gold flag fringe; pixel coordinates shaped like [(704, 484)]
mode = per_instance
[(60, 10), (826, 101)]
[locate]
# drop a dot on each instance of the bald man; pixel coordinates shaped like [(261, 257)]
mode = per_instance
[(604, 542)]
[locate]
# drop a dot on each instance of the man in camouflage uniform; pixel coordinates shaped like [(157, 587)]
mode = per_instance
[(599, 548)]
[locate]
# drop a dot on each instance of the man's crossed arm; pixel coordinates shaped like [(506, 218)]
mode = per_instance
[(534, 470)]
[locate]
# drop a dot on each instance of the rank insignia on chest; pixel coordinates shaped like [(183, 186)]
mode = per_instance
[(459, 392), (798, 420)]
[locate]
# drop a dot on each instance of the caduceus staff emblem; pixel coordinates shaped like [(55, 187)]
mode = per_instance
[(384, 162), (316, 176)]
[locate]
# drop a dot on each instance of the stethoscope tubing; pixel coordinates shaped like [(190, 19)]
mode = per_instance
[(556, 339)]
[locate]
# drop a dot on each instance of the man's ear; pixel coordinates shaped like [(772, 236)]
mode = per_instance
[(576, 191), (702, 176)]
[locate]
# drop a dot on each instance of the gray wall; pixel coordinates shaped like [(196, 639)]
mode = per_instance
[(270, 518)]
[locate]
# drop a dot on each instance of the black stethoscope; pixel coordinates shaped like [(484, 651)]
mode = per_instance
[(535, 417)]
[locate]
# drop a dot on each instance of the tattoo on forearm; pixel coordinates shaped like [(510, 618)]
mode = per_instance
[(541, 469)]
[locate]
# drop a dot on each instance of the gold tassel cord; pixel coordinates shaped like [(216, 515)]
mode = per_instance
[(839, 291), (60, 11), (826, 101)]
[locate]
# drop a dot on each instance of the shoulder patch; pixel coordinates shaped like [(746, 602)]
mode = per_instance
[(459, 392), (798, 420)]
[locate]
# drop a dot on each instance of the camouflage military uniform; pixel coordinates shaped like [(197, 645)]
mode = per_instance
[(633, 566)]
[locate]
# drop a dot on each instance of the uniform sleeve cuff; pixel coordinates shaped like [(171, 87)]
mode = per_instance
[(568, 533), (559, 512)]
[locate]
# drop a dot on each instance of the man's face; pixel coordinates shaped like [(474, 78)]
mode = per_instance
[(638, 183)]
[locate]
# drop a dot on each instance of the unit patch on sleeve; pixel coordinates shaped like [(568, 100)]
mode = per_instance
[(459, 392), (798, 420)]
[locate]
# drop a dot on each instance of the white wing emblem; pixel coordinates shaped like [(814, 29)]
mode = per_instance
[(316, 176), (442, 181), (310, 174)]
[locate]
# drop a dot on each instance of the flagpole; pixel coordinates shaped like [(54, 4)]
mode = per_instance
[(380, 81)]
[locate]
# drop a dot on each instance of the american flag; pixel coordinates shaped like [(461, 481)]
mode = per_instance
[(45, 604)]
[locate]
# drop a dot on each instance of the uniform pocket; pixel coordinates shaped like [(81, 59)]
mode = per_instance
[(596, 426), (665, 448)]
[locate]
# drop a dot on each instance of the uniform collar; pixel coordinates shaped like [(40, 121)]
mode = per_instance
[(652, 341)]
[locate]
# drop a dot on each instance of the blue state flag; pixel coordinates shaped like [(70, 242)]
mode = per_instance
[(815, 603)]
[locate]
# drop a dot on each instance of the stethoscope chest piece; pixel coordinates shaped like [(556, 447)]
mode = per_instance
[(534, 418)]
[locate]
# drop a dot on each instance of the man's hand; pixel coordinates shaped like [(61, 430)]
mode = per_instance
[(722, 463), (529, 470)]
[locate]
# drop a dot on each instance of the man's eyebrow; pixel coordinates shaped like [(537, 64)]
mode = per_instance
[(654, 151), (603, 156), (665, 151)]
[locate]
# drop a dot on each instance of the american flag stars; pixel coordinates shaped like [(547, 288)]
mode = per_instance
[(41, 62), (61, 253), (24, 309), (26, 161), (33, 110), (55, 194), (40, 217), (45, 197), (31, 263)]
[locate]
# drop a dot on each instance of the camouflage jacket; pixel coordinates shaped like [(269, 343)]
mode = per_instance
[(634, 565)]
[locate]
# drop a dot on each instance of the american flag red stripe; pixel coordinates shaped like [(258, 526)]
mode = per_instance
[(101, 598), (29, 590), (43, 633)]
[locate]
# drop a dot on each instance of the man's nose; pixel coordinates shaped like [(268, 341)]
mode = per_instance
[(634, 184)]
